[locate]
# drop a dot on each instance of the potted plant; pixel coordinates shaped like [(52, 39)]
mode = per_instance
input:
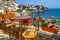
[(49, 25)]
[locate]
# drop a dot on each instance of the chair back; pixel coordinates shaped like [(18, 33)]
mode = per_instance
[(9, 15), (1, 15)]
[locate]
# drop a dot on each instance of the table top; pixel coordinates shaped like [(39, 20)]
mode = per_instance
[(22, 17)]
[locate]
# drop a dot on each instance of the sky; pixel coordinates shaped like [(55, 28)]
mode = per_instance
[(46, 3)]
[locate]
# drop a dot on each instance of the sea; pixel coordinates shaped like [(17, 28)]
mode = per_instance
[(47, 14)]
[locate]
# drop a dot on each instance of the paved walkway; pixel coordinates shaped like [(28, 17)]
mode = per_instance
[(4, 36)]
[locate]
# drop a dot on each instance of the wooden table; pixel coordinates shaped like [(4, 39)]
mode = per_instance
[(21, 18)]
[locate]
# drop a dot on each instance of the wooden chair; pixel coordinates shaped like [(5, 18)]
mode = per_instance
[(8, 16), (1, 22)]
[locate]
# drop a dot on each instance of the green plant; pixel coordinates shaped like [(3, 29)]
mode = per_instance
[(19, 10), (52, 23)]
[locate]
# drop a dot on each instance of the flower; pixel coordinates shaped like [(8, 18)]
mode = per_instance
[(43, 18), (46, 22), (49, 25), (49, 20), (55, 25)]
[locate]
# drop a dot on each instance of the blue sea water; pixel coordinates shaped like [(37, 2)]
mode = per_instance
[(49, 13)]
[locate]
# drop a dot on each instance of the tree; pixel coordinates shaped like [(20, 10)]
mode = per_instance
[(19, 11)]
